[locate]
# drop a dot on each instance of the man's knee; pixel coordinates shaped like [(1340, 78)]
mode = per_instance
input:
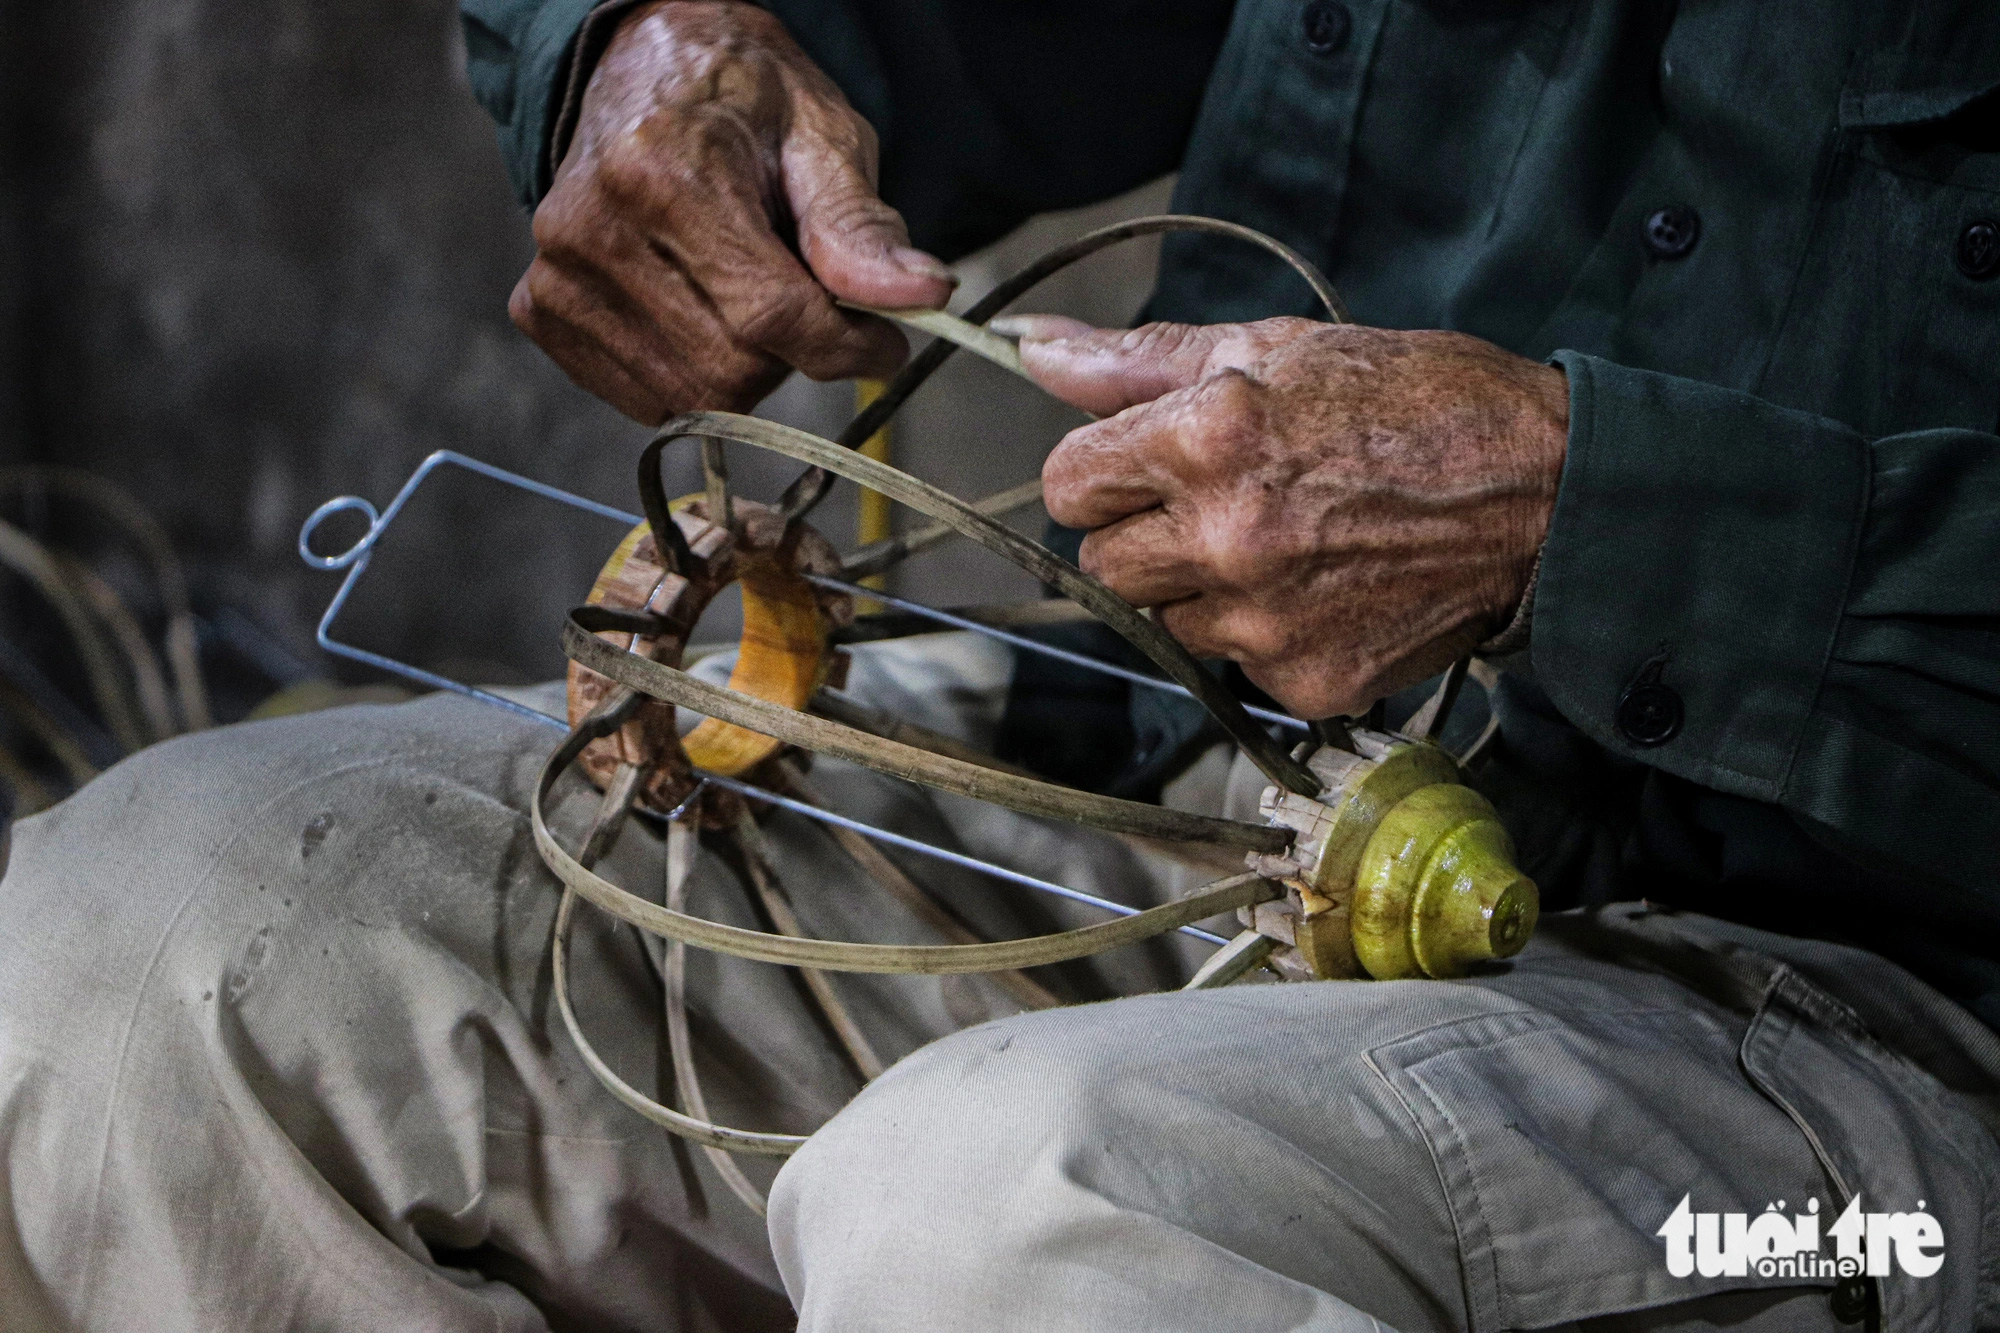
[(940, 1182), (299, 961), (1124, 1154)]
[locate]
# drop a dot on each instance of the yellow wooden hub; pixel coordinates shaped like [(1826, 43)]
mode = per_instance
[(1436, 891), (1397, 868)]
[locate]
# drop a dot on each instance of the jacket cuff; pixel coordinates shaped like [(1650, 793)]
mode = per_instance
[(518, 57), (1695, 572), (1514, 636), (530, 64), (592, 36)]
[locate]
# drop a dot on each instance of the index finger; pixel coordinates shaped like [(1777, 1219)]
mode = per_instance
[(1110, 470), (1108, 370)]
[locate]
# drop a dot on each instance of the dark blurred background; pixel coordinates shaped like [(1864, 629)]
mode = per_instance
[(255, 254)]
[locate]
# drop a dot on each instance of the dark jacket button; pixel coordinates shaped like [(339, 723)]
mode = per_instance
[(1852, 1300), (1650, 714), (1327, 24), (1672, 232), (1979, 249)]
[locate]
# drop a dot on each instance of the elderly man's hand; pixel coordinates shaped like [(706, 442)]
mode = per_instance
[(718, 195), (1341, 510)]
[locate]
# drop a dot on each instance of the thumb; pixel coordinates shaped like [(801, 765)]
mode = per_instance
[(1105, 371), (856, 245)]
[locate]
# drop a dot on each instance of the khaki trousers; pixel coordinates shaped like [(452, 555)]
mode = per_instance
[(278, 1051)]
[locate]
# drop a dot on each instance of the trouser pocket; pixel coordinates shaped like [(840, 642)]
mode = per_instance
[(1916, 1175), (1565, 1142)]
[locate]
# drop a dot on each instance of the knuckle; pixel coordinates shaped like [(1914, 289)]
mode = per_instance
[(626, 172), (1262, 636), (839, 136), (521, 304), (1241, 632), (1283, 328), (676, 389), (849, 207), (1269, 337), (681, 183), (1063, 468), (1096, 557), (1290, 328), (1066, 477), (1157, 341), (1235, 557), (1308, 689), (1229, 395), (541, 288), (1231, 402), (735, 376), (1249, 553), (1061, 493), (1192, 623), (1223, 422), (867, 145), (777, 315), (554, 225)]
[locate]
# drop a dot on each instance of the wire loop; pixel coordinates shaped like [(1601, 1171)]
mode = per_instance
[(340, 504)]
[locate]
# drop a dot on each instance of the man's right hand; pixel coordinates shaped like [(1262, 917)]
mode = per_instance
[(718, 195)]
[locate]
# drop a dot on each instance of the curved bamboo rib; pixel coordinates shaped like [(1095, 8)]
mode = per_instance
[(113, 501), (811, 486), (1029, 796), (680, 1041), (974, 338), (39, 566), (611, 815), (878, 556), (826, 459), (700, 1131), (149, 683), (837, 956), (764, 883), (1270, 756)]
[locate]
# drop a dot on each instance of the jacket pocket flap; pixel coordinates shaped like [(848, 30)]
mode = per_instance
[(1892, 89)]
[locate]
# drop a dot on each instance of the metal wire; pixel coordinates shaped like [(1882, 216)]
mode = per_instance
[(825, 816), (355, 561), (356, 557)]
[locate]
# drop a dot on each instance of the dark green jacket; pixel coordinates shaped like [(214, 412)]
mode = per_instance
[(1780, 517)]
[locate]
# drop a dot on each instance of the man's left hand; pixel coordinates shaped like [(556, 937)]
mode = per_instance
[(1341, 510)]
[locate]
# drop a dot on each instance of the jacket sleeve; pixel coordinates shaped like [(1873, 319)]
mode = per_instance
[(1764, 602), (987, 113), (517, 58)]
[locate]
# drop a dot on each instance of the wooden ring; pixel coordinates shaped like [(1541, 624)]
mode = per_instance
[(782, 655)]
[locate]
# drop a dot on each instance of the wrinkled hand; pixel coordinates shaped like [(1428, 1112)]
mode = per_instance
[(718, 195), (1341, 510)]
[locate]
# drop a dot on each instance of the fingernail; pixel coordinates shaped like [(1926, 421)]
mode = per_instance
[(1038, 328), (920, 265)]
